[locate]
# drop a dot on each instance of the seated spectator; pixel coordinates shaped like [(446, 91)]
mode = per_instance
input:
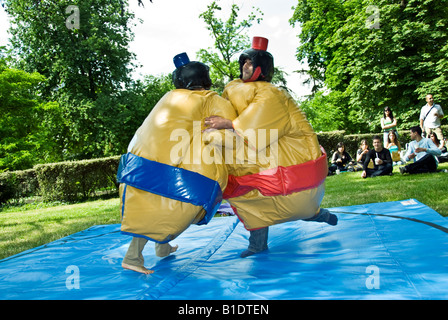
[(395, 148), (361, 155), (441, 145), (340, 160), (382, 161), (423, 152)]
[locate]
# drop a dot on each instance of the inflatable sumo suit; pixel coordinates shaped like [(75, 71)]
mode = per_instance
[(283, 184), (165, 184)]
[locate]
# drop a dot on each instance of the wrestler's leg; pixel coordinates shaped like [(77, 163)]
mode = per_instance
[(133, 259), (324, 216), (258, 241), (164, 249)]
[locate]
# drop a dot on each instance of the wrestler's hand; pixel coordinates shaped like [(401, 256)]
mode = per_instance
[(217, 122)]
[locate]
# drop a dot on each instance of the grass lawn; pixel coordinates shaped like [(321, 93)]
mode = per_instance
[(27, 227), (32, 225)]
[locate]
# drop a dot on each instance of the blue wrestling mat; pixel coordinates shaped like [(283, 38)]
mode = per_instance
[(392, 250)]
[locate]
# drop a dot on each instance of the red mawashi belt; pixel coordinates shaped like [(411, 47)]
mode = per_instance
[(280, 180)]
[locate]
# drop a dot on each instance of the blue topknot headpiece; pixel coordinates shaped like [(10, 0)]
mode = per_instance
[(181, 59)]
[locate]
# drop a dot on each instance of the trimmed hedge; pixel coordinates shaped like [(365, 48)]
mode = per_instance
[(69, 181), (17, 184), (76, 180)]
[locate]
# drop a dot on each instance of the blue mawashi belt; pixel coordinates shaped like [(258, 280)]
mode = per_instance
[(171, 182)]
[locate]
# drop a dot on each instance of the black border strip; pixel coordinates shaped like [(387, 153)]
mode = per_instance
[(431, 224)]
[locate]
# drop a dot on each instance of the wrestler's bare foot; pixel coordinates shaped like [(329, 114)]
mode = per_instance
[(137, 268), (165, 249), (174, 249)]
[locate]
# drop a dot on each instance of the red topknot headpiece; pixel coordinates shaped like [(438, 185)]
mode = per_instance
[(260, 43)]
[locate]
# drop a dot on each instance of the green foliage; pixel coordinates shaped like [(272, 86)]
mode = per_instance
[(24, 119), (84, 61), (230, 38), (376, 54), (104, 127), (323, 111), (32, 131), (87, 71)]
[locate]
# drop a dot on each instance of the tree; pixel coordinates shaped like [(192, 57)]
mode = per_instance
[(81, 47), (375, 54), (130, 108), (230, 39), (324, 111), (105, 126), (23, 119), (140, 2)]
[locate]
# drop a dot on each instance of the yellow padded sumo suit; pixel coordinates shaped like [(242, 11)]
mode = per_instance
[(170, 141), (290, 186)]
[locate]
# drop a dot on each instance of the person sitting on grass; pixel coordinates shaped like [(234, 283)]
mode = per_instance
[(423, 152), (382, 161), (340, 160), (393, 144), (441, 145), (361, 155)]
